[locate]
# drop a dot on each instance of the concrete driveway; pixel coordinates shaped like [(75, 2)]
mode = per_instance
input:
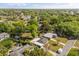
[(67, 48)]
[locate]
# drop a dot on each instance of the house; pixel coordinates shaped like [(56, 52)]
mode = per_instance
[(44, 39), (4, 36), (40, 41), (50, 35), (35, 41), (26, 17)]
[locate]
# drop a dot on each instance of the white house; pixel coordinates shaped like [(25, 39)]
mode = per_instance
[(35, 41), (40, 41), (4, 36)]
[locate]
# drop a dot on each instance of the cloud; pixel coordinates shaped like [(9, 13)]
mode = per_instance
[(39, 5)]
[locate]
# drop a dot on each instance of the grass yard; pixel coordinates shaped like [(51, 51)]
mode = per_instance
[(26, 35), (73, 52), (62, 39), (5, 45), (77, 44), (49, 54), (53, 46)]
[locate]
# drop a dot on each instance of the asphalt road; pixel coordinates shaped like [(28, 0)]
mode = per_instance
[(67, 48)]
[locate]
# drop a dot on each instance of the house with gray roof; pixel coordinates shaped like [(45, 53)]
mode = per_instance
[(44, 39), (50, 35), (4, 36), (40, 41)]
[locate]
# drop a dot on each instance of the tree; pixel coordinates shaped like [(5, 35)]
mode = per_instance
[(35, 52), (5, 45), (33, 27), (34, 30), (46, 27), (68, 29)]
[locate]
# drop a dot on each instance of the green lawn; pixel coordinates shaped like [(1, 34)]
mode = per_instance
[(73, 52), (26, 35), (5, 45), (62, 39), (53, 46), (49, 54)]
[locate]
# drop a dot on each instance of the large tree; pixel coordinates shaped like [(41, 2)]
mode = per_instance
[(68, 28), (35, 52)]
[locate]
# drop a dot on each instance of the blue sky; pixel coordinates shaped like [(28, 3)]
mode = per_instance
[(39, 5)]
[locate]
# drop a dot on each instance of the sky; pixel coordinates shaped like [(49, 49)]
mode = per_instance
[(40, 5)]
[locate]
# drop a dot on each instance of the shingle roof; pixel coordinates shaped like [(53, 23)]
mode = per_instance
[(49, 35), (42, 40)]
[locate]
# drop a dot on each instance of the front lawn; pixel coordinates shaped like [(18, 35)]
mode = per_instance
[(62, 39), (49, 54), (73, 52), (52, 45)]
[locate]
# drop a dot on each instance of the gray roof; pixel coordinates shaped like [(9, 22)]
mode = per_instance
[(42, 40), (49, 35)]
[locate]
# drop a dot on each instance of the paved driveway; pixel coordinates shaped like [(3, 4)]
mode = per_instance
[(67, 47)]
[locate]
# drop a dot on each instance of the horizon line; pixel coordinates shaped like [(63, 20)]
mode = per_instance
[(40, 5)]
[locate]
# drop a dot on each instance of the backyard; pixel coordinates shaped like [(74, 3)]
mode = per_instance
[(53, 46), (62, 39)]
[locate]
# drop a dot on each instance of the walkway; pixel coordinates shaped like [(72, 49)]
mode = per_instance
[(67, 48)]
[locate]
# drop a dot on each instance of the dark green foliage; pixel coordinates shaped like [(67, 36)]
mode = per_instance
[(62, 21), (5, 45), (35, 52), (68, 28)]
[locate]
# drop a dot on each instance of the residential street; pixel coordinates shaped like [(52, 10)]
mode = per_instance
[(18, 52), (67, 47)]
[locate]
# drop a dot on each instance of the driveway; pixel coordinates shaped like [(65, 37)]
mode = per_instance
[(67, 48)]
